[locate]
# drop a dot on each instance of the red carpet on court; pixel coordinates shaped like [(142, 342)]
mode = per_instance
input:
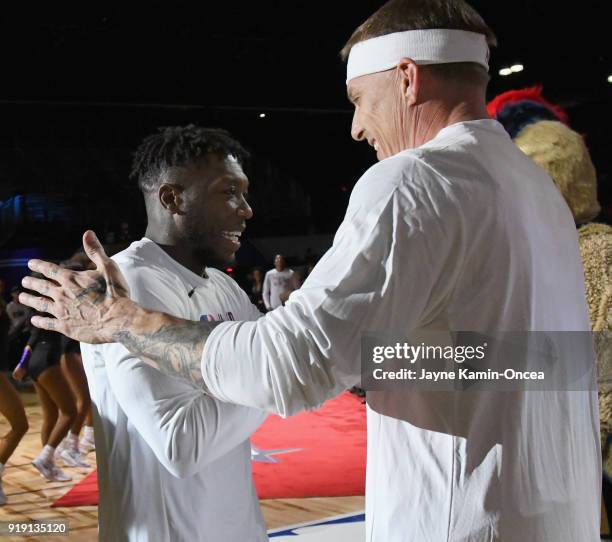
[(313, 454)]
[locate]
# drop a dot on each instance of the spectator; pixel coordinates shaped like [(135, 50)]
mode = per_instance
[(11, 406), (278, 284), (16, 312), (124, 235), (41, 361), (256, 294), (19, 329)]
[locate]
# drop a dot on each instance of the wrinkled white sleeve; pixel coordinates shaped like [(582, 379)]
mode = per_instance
[(385, 272), (185, 428)]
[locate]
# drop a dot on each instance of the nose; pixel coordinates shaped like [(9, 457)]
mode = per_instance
[(245, 210), (356, 129)]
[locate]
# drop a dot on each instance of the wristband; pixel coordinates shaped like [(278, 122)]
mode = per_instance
[(25, 356)]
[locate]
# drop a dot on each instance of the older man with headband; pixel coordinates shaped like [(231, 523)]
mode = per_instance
[(453, 229)]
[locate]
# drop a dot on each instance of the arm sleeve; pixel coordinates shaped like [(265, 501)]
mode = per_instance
[(266, 292), (185, 428), (385, 272)]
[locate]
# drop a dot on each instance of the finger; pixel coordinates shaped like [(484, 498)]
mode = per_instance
[(45, 323), (94, 249), (49, 270), (41, 286), (39, 303)]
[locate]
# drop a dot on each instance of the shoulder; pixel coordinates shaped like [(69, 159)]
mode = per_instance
[(225, 282), (147, 273), (232, 294), (141, 259), (409, 171), (138, 254), (408, 181)]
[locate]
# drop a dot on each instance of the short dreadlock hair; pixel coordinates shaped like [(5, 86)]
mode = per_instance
[(179, 146)]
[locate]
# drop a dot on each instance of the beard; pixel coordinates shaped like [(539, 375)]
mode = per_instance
[(209, 258), (203, 252)]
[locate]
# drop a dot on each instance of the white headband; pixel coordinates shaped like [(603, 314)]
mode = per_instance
[(423, 46)]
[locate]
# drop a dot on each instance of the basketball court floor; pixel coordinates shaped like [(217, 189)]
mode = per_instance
[(30, 498)]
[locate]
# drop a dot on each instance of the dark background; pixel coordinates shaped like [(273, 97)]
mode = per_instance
[(83, 83)]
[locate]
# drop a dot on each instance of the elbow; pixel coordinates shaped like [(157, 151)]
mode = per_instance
[(184, 455), (177, 470), (180, 470), (181, 466)]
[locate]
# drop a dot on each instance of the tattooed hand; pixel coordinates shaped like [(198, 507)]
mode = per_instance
[(94, 307), (89, 306)]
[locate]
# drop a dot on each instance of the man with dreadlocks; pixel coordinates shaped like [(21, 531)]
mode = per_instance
[(173, 463)]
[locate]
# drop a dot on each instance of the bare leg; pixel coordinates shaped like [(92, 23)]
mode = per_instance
[(57, 388), (49, 411), (72, 367), (12, 409)]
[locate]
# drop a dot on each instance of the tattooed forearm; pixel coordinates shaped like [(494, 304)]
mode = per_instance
[(174, 345)]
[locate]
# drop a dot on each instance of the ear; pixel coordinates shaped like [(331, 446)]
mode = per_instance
[(170, 197), (410, 79)]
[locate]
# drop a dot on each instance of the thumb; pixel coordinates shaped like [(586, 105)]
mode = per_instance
[(93, 249)]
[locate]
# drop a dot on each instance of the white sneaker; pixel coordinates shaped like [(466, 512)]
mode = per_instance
[(3, 498), (73, 458), (59, 475), (87, 445), (45, 469)]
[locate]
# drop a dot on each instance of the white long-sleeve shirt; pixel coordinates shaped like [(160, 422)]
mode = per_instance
[(465, 233), (276, 283), (174, 464)]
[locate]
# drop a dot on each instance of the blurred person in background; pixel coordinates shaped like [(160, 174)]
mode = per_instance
[(278, 284), (40, 361), (256, 295), (87, 443), (11, 406), (19, 329), (72, 368)]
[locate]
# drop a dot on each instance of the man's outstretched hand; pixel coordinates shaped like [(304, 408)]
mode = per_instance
[(89, 306), (94, 307)]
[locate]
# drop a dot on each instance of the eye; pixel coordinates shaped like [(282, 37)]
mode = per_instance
[(231, 191)]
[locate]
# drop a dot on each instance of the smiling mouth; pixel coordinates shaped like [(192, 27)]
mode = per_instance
[(233, 236)]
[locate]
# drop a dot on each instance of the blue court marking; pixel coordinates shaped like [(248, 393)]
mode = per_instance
[(347, 518)]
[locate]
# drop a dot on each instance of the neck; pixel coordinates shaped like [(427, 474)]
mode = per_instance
[(177, 249), (433, 116)]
